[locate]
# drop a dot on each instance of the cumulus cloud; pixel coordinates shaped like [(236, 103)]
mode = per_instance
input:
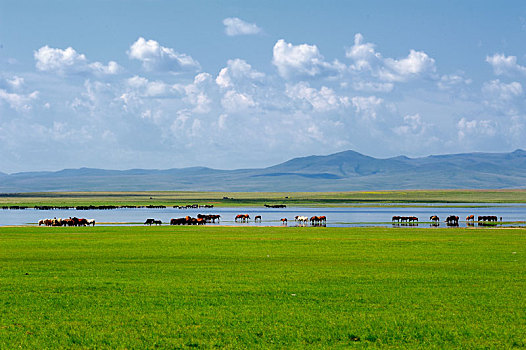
[(18, 102), (155, 57), (367, 106), (145, 87), (16, 82), (363, 54), (70, 61), (366, 59), (235, 26), (237, 71), (475, 127), (322, 100), (415, 64), (197, 93), (412, 125), (451, 81), (302, 61), (371, 86), (234, 101), (503, 65), (495, 89)]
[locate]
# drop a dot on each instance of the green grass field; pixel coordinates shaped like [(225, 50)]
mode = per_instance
[(170, 198), (248, 287)]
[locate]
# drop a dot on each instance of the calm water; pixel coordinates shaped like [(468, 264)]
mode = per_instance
[(336, 217)]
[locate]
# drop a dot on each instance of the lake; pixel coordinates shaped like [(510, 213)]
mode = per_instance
[(377, 215)]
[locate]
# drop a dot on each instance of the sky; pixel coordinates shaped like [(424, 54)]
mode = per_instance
[(164, 84)]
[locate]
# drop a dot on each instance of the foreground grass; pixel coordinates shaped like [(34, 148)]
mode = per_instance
[(170, 198), (239, 287)]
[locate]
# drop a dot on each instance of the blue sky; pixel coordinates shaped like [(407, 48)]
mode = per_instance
[(234, 84)]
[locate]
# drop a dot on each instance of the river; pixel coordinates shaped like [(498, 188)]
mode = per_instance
[(352, 216)]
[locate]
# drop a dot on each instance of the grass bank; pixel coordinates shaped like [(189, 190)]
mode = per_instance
[(246, 287), (171, 198)]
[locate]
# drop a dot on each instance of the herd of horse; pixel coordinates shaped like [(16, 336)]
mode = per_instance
[(201, 219), (451, 220), (74, 221), (204, 219)]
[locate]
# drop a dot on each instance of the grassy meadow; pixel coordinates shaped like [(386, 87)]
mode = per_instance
[(231, 199), (262, 287)]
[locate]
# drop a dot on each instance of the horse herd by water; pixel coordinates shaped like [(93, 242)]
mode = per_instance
[(202, 219), (451, 220), (243, 218), (72, 221)]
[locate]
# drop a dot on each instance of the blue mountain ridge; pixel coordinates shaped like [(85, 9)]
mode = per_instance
[(342, 171)]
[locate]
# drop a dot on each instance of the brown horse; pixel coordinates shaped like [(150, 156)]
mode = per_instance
[(242, 217), (257, 217), (470, 218)]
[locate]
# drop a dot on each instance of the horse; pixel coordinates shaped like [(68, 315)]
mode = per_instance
[(149, 222), (470, 218), (452, 220), (209, 217), (301, 219), (434, 218), (91, 222), (284, 221), (396, 218), (257, 217), (242, 217)]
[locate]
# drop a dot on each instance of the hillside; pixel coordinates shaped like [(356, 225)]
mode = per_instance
[(343, 171)]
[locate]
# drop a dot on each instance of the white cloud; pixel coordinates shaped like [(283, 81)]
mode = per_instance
[(415, 64), (234, 101), (367, 106), (197, 93), (235, 26), (371, 86), (322, 100), (147, 88), (18, 102), (495, 89), (237, 71), (475, 127), (366, 59), (412, 125), (70, 61), (155, 57), (363, 54), (451, 81), (503, 65), (16, 83), (111, 68), (302, 61)]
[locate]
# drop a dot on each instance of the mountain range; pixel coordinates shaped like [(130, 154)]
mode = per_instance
[(343, 171)]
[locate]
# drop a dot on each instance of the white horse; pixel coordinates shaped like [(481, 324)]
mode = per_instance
[(91, 222), (301, 219)]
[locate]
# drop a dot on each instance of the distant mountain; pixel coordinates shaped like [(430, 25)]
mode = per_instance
[(343, 171)]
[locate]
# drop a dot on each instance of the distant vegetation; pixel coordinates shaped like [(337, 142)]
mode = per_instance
[(182, 198), (249, 287)]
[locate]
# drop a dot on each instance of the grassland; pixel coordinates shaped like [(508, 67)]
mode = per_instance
[(239, 287), (170, 198)]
